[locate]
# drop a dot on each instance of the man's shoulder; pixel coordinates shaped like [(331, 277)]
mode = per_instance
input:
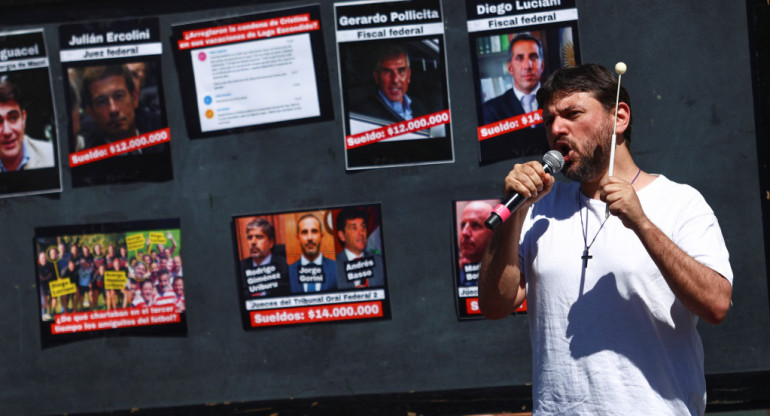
[(663, 189), (147, 120), (41, 152), (247, 263), (278, 259), (504, 97), (501, 107), (370, 103)]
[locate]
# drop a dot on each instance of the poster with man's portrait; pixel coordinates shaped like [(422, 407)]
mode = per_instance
[(471, 241), (118, 129), (515, 47), (394, 83), (29, 154)]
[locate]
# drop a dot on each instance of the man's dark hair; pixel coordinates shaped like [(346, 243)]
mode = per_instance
[(591, 78), (390, 50), (264, 225), (97, 73), (349, 213), (9, 91), (525, 36)]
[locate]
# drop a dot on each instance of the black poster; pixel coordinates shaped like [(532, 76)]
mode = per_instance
[(254, 71), (110, 279), (394, 83), (118, 128), (310, 267), (29, 149), (515, 46)]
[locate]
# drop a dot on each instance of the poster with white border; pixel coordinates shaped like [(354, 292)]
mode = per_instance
[(514, 47), (29, 152), (394, 83)]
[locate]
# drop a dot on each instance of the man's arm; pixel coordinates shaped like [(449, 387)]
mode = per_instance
[(701, 290), (501, 283)]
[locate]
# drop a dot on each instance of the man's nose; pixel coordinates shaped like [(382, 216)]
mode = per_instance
[(558, 127), (530, 63), (5, 127), (113, 106)]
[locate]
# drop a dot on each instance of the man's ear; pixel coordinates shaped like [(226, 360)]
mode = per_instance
[(623, 117), (341, 236)]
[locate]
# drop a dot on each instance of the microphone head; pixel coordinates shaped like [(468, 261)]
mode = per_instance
[(553, 160)]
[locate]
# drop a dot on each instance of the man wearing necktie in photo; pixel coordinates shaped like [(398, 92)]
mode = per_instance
[(356, 266)]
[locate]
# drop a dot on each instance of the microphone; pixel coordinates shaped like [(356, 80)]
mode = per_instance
[(553, 161)]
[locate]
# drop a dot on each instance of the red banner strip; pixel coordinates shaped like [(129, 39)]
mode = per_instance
[(472, 306), (120, 147), (321, 313), (510, 124), (258, 29), (397, 129), (119, 318)]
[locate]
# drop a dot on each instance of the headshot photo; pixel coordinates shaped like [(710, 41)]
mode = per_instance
[(472, 237), (358, 235), (511, 68), (19, 150), (313, 269), (114, 102), (262, 256), (390, 81)]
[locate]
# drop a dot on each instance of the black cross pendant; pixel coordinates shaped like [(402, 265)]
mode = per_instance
[(585, 258)]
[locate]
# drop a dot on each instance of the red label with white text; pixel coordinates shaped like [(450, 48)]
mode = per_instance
[(321, 313), (397, 129), (239, 32), (510, 124), (120, 147), (118, 318)]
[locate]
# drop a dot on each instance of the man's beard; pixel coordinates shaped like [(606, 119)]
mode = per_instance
[(591, 166)]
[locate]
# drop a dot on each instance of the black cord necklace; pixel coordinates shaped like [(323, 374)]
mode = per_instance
[(584, 226)]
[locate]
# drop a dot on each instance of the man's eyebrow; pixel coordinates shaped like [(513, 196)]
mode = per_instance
[(571, 107)]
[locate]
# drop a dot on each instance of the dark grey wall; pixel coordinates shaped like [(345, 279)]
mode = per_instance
[(689, 78)]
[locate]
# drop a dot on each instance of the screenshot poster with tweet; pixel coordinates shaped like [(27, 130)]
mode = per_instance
[(253, 71), (515, 46), (118, 128), (471, 240), (394, 83), (29, 152), (310, 267), (110, 279)]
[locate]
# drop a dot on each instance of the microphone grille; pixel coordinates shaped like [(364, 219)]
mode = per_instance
[(554, 160)]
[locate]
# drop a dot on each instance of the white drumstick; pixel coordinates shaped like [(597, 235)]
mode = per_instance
[(620, 68)]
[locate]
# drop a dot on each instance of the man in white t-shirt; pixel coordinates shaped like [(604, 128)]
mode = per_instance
[(613, 300)]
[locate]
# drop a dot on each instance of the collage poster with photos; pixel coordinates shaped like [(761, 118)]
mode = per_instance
[(254, 71), (110, 279), (309, 267), (471, 239), (514, 47), (29, 155), (393, 75), (118, 128)]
